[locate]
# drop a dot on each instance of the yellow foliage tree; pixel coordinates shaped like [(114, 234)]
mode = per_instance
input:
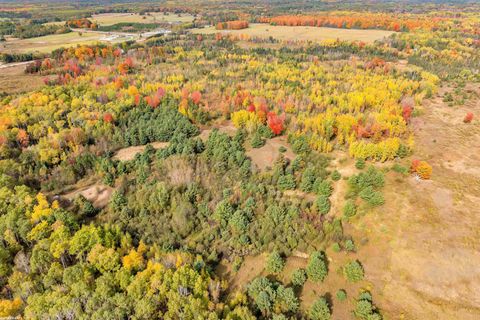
[(10, 308), (245, 119), (43, 208), (133, 261)]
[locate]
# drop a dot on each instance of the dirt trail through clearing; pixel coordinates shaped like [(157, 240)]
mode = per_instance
[(423, 250)]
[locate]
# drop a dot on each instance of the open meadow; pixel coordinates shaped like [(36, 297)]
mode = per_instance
[(108, 19), (301, 33), (48, 43)]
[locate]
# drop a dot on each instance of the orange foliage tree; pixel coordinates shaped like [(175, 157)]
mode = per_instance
[(232, 25), (421, 168)]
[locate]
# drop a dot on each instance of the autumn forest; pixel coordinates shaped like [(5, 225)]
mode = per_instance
[(239, 160)]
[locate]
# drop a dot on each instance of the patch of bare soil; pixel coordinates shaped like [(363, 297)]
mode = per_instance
[(265, 156), (422, 248), (98, 194), (129, 153), (225, 127), (252, 267)]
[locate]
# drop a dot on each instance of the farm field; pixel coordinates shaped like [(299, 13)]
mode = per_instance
[(301, 33)]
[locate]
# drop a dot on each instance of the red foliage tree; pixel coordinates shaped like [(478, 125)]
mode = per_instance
[(108, 117), (407, 113), (196, 96), (153, 101), (468, 117), (137, 99), (275, 123)]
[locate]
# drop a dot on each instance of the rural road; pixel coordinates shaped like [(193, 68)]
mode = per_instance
[(14, 64)]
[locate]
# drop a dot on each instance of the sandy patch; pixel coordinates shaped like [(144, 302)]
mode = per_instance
[(265, 156), (98, 194), (129, 153)]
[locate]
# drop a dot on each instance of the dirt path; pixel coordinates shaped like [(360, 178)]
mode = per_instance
[(423, 245), (14, 64)]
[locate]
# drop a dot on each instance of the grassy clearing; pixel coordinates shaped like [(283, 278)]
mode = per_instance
[(108, 19), (14, 80), (285, 33), (153, 17), (48, 43)]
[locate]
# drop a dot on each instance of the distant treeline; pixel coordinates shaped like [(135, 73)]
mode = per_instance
[(30, 30), (129, 26), (18, 57)]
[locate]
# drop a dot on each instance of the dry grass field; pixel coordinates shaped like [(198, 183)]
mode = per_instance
[(285, 33), (48, 43), (422, 246), (108, 19), (13, 79)]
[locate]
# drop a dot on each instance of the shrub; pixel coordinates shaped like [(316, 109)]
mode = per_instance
[(299, 276), (399, 169), (317, 266), (360, 164), (320, 310), (237, 263), (372, 177), (349, 245), (308, 180), (336, 175), (336, 247), (322, 187), (282, 149), (299, 144), (286, 182), (373, 198), (266, 295), (403, 151), (257, 140), (275, 263), (349, 209), (365, 309), (323, 204), (341, 295), (353, 271)]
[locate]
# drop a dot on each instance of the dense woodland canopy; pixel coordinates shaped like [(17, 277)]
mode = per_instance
[(177, 212)]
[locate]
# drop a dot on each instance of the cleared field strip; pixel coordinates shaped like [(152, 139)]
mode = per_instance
[(285, 33), (108, 19), (48, 43)]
